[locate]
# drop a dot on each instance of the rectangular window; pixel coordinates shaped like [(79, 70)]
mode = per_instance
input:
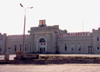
[(65, 47), (0, 49), (20, 47), (98, 49), (15, 49), (0, 42), (79, 47), (97, 39), (25, 47), (72, 47)]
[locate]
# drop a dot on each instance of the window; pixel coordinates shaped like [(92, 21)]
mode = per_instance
[(42, 40), (72, 47), (0, 49), (65, 47), (89, 49), (79, 47), (0, 42), (25, 47), (98, 48), (97, 39), (20, 47), (15, 49)]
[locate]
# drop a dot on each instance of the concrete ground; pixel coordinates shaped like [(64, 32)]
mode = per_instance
[(51, 68)]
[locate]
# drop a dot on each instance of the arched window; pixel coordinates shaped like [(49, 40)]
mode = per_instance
[(42, 40)]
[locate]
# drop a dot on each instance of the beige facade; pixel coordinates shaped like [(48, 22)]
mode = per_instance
[(96, 40), (3, 39), (50, 39), (75, 44), (15, 42)]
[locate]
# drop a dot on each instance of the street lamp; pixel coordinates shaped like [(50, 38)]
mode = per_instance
[(24, 25)]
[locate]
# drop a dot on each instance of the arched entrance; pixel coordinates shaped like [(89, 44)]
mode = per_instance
[(42, 45)]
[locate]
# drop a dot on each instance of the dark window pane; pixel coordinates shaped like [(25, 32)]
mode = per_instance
[(97, 39), (65, 48), (98, 48), (20, 47), (15, 47), (42, 40)]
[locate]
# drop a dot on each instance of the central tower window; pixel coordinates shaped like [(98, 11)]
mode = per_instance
[(42, 40)]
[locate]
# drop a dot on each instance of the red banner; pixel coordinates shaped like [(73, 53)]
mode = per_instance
[(75, 34)]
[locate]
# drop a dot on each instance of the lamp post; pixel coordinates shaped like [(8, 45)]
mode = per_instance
[(24, 25)]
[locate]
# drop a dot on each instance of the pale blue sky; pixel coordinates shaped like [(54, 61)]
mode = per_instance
[(68, 14)]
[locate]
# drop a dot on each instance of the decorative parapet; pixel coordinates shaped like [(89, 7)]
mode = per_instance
[(17, 36)]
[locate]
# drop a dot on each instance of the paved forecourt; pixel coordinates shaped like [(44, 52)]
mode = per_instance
[(51, 68)]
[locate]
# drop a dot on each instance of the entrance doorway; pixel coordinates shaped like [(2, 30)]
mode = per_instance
[(42, 50), (42, 45), (90, 49), (9, 50)]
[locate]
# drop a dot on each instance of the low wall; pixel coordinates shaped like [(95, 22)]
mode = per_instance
[(56, 60)]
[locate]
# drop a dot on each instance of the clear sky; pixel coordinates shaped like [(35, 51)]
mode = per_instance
[(72, 15)]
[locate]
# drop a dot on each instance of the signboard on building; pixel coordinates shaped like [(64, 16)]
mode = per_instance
[(42, 22), (74, 34)]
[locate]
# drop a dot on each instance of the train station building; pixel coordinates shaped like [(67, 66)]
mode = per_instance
[(45, 39)]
